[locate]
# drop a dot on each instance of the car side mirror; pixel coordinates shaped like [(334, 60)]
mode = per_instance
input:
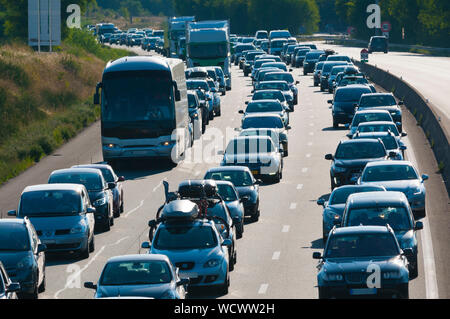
[(12, 213), (347, 126), (241, 112), (392, 154), (96, 99), (317, 255), (177, 96), (152, 223), (408, 252), (227, 242), (418, 226), (403, 148), (290, 70), (404, 134), (41, 248), (121, 179), (330, 101), (258, 182), (90, 285), (356, 105), (13, 287), (183, 282), (297, 82), (145, 245), (321, 202), (329, 157), (91, 210), (288, 127), (401, 103), (111, 186), (349, 135), (425, 177), (247, 102)]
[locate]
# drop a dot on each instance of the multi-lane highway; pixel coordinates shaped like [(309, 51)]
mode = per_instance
[(274, 255)]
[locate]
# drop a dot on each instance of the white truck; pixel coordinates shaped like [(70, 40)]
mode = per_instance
[(177, 30), (208, 44)]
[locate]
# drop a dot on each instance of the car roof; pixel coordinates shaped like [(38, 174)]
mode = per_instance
[(250, 137), (265, 100), (272, 131), (262, 115), (140, 257), (228, 168), (361, 229), (361, 140), (374, 199), (93, 166), (272, 82), (373, 135), (371, 111), (390, 163), (379, 94), (357, 187), (267, 91), (53, 187), (353, 87), (77, 170), (13, 221), (376, 123)]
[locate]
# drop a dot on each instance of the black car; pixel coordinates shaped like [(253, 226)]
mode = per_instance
[(100, 192), (8, 289), (23, 256), (351, 158), (382, 101), (246, 185), (344, 102), (378, 44), (363, 261), (311, 58)]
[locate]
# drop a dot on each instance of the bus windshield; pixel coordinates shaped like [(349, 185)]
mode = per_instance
[(135, 96)]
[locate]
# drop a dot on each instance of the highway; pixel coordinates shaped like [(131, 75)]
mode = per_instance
[(275, 254), (428, 74)]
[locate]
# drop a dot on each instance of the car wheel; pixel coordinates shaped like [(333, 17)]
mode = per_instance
[(255, 216), (277, 178), (232, 261), (107, 225), (322, 88), (304, 73), (92, 244), (121, 208), (333, 185), (404, 291), (420, 214), (218, 113), (84, 254), (316, 84), (323, 293), (240, 231), (117, 213), (225, 286), (335, 124), (413, 268)]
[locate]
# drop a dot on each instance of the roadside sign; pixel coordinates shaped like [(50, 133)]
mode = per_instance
[(364, 55), (44, 23), (386, 26)]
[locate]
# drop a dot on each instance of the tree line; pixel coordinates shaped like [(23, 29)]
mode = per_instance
[(423, 21)]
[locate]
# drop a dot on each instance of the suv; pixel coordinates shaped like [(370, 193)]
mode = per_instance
[(23, 257), (378, 44), (193, 244), (351, 254), (62, 216), (380, 209)]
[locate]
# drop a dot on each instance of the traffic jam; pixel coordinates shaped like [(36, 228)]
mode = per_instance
[(158, 107)]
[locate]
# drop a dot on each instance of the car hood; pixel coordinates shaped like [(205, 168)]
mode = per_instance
[(246, 190), (347, 265), (150, 291), (199, 256), (397, 186), (10, 259), (356, 163), (55, 223), (235, 208), (94, 195)]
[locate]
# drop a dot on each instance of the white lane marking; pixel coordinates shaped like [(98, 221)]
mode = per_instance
[(304, 170), (157, 186), (308, 155), (429, 265), (134, 209), (276, 255), (299, 186), (285, 229), (263, 289), (311, 134), (78, 274), (310, 144), (293, 206), (311, 124)]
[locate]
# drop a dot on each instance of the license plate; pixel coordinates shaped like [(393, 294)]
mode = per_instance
[(186, 275), (255, 172), (363, 291)]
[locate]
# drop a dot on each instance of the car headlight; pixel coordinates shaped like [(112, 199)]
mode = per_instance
[(80, 228), (100, 202), (211, 263), (110, 145), (333, 216), (391, 275), (168, 295), (339, 169), (168, 143), (333, 277)]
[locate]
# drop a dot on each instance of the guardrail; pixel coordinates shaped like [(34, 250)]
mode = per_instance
[(425, 113)]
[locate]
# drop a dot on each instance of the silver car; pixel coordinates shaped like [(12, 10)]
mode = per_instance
[(400, 176), (267, 106), (149, 276)]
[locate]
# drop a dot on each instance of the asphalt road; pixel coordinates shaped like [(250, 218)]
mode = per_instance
[(428, 74), (275, 254)]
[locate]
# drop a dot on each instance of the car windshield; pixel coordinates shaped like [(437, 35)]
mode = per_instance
[(128, 273), (256, 107), (377, 100), (370, 117), (238, 178), (389, 173), (131, 96), (362, 245), (350, 151), (287, 77), (276, 65), (390, 142), (303, 52), (328, 66), (277, 44), (250, 146), (185, 237), (337, 69), (14, 237), (312, 56), (194, 85), (350, 94), (192, 102), (209, 50), (396, 217), (50, 203), (262, 122), (319, 66), (282, 86), (340, 195), (198, 74), (241, 48), (378, 128), (269, 95), (212, 74), (227, 192), (89, 180), (260, 62)]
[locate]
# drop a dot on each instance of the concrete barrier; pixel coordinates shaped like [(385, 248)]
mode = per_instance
[(425, 113)]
